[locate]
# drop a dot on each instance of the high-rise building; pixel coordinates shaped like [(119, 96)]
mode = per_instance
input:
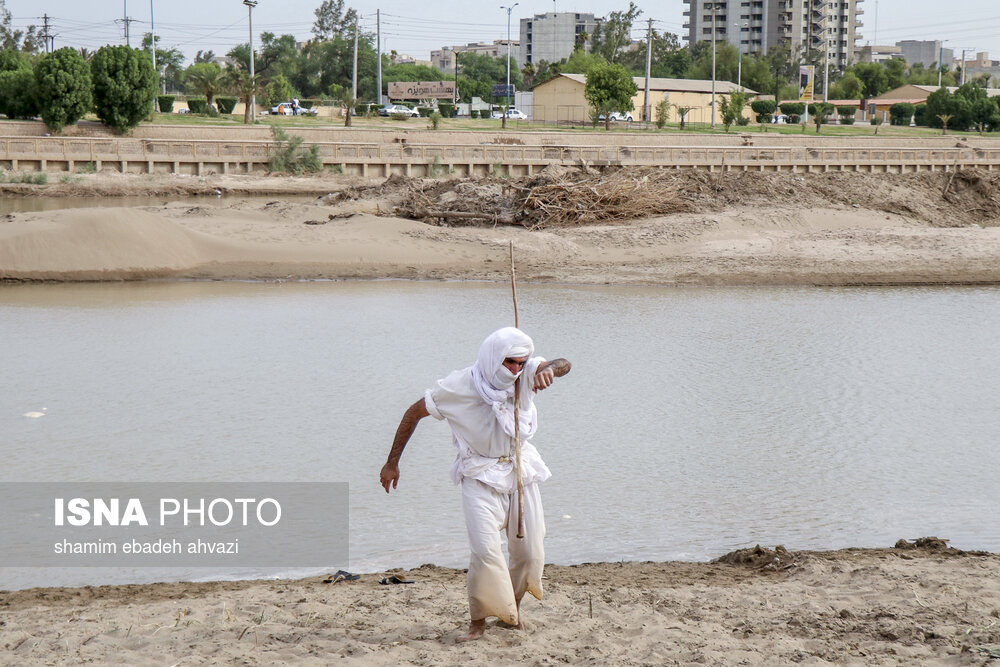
[(552, 36), (927, 52), (757, 25)]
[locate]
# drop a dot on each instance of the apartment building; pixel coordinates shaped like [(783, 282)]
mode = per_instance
[(927, 52), (757, 25), (552, 36)]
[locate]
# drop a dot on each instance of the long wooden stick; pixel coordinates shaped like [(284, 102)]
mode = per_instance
[(517, 421)]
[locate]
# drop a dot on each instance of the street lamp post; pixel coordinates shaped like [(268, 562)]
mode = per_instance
[(713, 64), (253, 88), (739, 56), (503, 122)]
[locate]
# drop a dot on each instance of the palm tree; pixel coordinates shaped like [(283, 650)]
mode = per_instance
[(204, 79), (945, 117), (239, 82)]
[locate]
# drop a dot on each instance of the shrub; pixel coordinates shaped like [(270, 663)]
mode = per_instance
[(287, 154), (310, 103), (226, 104), (63, 88), (424, 112), (473, 113), (873, 120), (124, 86), (793, 109), (400, 116), (901, 112), (165, 103), (662, 113), (435, 119), (17, 99), (846, 111), (197, 104), (847, 120), (764, 106), (920, 115), (446, 109)]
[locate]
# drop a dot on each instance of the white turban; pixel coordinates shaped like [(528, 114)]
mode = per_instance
[(495, 383)]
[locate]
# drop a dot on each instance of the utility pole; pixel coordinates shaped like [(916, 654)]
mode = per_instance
[(739, 56), (45, 31), (503, 122), (649, 63), (940, 59), (378, 48), (713, 65), (152, 45), (963, 68), (253, 82), (354, 72), (126, 21)]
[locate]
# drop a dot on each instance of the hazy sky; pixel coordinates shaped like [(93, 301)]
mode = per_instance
[(416, 27)]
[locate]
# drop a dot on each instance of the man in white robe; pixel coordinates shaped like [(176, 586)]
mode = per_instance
[(478, 404)]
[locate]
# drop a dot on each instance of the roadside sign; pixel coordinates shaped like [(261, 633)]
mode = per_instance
[(503, 90)]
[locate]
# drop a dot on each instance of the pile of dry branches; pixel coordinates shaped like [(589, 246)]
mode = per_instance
[(551, 199)]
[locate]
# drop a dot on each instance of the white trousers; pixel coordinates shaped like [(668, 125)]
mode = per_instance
[(495, 588)]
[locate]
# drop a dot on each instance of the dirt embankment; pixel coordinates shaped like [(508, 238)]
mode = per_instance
[(622, 226)]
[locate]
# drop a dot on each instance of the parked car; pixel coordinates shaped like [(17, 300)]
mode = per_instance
[(289, 109), (394, 109), (618, 116), (511, 113)]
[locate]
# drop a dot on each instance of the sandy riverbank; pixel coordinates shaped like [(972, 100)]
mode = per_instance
[(701, 229), (861, 607)]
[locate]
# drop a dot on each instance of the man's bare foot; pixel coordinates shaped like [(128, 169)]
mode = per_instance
[(476, 630)]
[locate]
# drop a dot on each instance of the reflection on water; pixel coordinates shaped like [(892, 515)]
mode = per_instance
[(695, 421)]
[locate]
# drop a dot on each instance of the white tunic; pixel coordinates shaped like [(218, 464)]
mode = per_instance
[(481, 438)]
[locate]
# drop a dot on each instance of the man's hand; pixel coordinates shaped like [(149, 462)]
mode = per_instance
[(389, 475), (544, 378), (549, 371)]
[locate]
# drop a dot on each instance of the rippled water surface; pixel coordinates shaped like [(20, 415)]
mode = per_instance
[(695, 421)]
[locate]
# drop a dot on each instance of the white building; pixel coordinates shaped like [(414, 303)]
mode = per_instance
[(552, 36)]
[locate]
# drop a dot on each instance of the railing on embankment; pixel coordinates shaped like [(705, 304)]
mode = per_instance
[(203, 157)]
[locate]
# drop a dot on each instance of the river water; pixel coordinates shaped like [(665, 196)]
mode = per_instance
[(694, 422)]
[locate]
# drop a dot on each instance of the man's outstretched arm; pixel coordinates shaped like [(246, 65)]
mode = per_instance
[(549, 371), (407, 425)]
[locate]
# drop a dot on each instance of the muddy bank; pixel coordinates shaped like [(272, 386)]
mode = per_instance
[(569, 225)]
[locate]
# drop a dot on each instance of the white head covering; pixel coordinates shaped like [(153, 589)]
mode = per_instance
[(492, 379), (495, 383)]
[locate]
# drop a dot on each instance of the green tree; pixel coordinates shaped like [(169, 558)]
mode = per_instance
[(204, 79), (581, 62), (17, 81), (609, 88), (169, 63), (16, 39), (124, 86), (895, 73), (849, 87), (726, 63), (63, 88), (332, 20), (873, 78), (731, 108), (614, 34), (667, 58), (239, 82), (279, 90), (955, 107)]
